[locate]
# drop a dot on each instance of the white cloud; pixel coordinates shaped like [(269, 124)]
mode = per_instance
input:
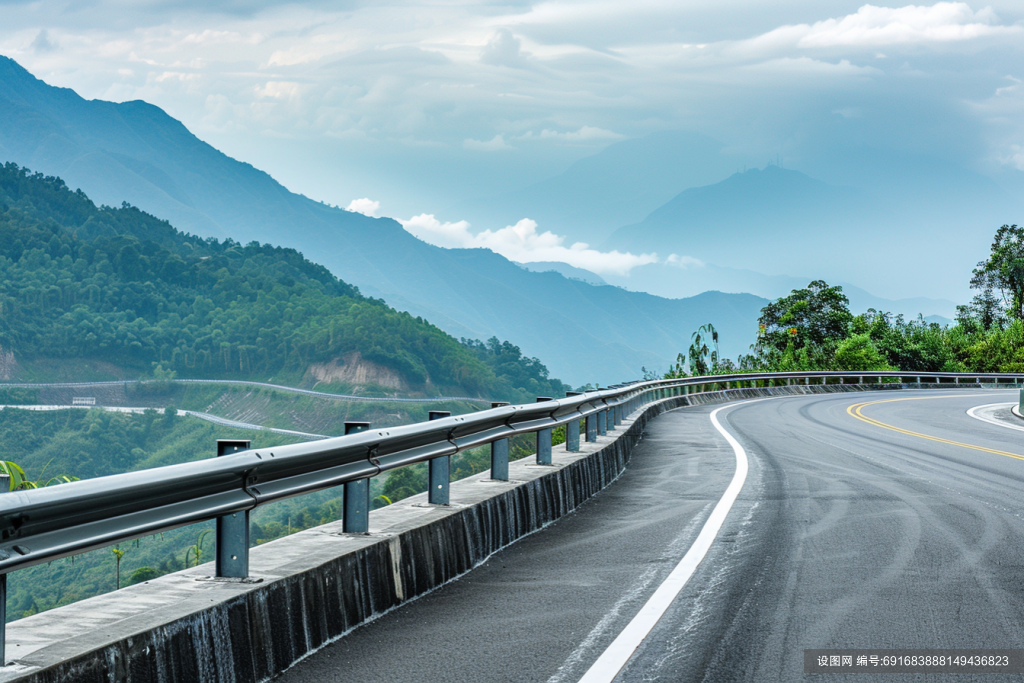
[(495, 144), (1015, 157), (849, 112), (429, 229), (874, 26), (522, 243), (683, 262), (356, 85), (277, 90), (804, 66), (365, 206), (504, 49), (42, 42), (584, 134)]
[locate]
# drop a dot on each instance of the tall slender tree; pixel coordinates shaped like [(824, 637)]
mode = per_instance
[(1003, 271)]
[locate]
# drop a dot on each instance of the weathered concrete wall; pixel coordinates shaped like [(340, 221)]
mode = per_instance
[(316, 585)]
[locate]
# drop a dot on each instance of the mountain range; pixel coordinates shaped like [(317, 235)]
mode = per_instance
[(134, 152), (618, 186), (897, 224), (910, 224)]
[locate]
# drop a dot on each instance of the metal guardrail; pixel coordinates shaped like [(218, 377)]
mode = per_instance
[(42, 525)]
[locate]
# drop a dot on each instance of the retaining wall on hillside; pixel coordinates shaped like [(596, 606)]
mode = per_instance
[(314, 586)]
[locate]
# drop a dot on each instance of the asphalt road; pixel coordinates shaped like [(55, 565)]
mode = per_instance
[(895, 525)]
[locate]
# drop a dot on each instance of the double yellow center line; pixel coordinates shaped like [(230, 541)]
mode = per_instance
[(855, 411)]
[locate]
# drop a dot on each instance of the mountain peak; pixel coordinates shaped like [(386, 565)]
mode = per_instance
[(715, 222), (20, 85), (10, 69), (771, 173)]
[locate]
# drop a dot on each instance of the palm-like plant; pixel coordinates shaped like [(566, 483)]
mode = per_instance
[(703, 353), (118, 554), (19, 481), (197, 549)]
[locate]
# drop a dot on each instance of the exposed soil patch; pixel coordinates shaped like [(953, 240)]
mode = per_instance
[(354, 370)]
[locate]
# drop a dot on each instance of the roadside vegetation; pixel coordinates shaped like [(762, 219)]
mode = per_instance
[(814, 329)]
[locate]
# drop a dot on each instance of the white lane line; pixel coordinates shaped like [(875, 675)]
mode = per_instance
[(646, 579), (973, 412), (610, 663)]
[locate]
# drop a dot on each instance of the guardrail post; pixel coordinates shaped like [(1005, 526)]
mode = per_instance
[(499, 454), (602, 422), (572, 430), (592, 427), (5, 487), (356, 515), (439, 474), (610, 414), (232, 530), (544, 439)]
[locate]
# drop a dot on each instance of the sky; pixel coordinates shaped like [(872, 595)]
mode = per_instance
[(406, 109)]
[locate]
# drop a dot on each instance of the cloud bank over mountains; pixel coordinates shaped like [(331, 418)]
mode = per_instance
[(436, 110), (872, 26), (336, 99)]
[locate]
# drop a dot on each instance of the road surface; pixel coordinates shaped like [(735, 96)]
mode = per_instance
[(865, 520)]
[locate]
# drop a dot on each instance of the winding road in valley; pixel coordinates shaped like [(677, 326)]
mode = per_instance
[(740, 535)]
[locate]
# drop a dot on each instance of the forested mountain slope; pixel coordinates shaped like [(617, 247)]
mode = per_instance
[(81, 281)]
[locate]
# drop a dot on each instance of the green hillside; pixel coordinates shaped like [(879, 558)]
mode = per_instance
[(117, 285)]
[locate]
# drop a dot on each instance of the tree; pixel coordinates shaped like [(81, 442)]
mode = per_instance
[(405, 481), (803, 330), (1003, 271), (141, 575), (703, 353), (859, 353)]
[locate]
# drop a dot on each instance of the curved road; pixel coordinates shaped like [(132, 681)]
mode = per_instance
[(245, 383), (865, 520)]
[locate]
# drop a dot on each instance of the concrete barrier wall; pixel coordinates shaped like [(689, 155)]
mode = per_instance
[(312, 587)]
